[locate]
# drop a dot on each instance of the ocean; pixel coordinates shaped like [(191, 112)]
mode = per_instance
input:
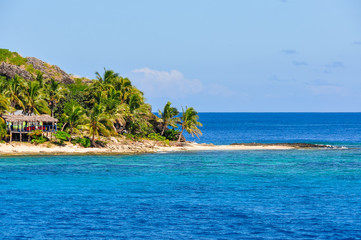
[(326, 128), (260, 194)]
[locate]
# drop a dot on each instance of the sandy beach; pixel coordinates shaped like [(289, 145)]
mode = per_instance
[(17, 148), (211, 147)]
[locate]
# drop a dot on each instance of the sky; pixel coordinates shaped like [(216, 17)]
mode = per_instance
[(215, 56)]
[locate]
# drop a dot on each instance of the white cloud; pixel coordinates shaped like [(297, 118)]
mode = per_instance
[(173, 84), (327, 90), (166, 84), (323, 87)]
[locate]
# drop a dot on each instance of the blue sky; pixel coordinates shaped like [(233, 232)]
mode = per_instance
[(234, 56)]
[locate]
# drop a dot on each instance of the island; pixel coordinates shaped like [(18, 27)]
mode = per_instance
[(44, 110)]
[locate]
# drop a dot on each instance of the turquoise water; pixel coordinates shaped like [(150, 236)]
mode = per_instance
[(289, 194), (295, 194)]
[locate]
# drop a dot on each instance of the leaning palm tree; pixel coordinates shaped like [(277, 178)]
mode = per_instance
[(74, 117), (55, 92), (189, 122), (168, 116), (99, 123), (34, 99)]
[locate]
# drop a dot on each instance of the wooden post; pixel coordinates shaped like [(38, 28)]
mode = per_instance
[(20, 127), (52, 129)]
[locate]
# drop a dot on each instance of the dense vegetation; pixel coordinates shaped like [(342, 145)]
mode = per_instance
[(106, 106), (11, 57)]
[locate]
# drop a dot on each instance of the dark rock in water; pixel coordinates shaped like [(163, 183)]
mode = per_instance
[(10, 71), (294, 145)]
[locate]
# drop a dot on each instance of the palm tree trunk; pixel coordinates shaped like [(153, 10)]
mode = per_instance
[(180, 135), (163, 129), (62, 129), (70, 132), (52, 109), (93, 142)]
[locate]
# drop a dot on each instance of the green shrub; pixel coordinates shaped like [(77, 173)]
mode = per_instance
[(12, 57), (18, 60), (166, 142), (37, 137), (62, 136), (131, 136), (41, 139), (3, 131), (172, 134), (30, 68), (85, 142), (157, 137), (5, 54)]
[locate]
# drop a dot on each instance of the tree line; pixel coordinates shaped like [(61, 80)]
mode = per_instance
[(106, 106)]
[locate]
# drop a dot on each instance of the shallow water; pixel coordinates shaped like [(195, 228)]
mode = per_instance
[(288, 194), (293, 194)]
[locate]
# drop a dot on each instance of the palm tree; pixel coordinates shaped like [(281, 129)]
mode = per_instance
[(103, 83), (99, 122), (34, 99), (189, 122), (14, 91), (115, 108), (55, 92), (168, 116), (139, 113), (108, 76), (40, 79), (124, 86), (74, 117), (4, 106), (3, 130)]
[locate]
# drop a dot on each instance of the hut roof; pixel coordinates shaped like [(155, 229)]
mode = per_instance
[(34, 118)]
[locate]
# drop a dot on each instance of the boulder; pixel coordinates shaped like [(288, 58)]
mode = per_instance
[(10, 71), (49, 71)]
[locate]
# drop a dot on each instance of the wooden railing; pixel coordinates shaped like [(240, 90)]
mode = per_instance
[(44, 128)]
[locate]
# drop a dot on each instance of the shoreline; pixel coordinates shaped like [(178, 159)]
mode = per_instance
[(141, 147)]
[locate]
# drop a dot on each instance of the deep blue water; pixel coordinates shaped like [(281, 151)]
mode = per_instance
[(289, 194), (329, 128)]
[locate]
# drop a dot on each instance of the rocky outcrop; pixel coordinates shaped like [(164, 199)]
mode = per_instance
[(32, 67), (50, 71), (10, 71)]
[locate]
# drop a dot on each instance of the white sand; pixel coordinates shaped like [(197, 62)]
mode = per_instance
[(207, 147), (17, 148)]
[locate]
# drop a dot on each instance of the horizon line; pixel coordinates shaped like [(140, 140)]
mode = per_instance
[(270, 112)]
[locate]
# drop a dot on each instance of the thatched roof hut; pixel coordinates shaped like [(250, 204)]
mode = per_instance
[(33, 118)]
